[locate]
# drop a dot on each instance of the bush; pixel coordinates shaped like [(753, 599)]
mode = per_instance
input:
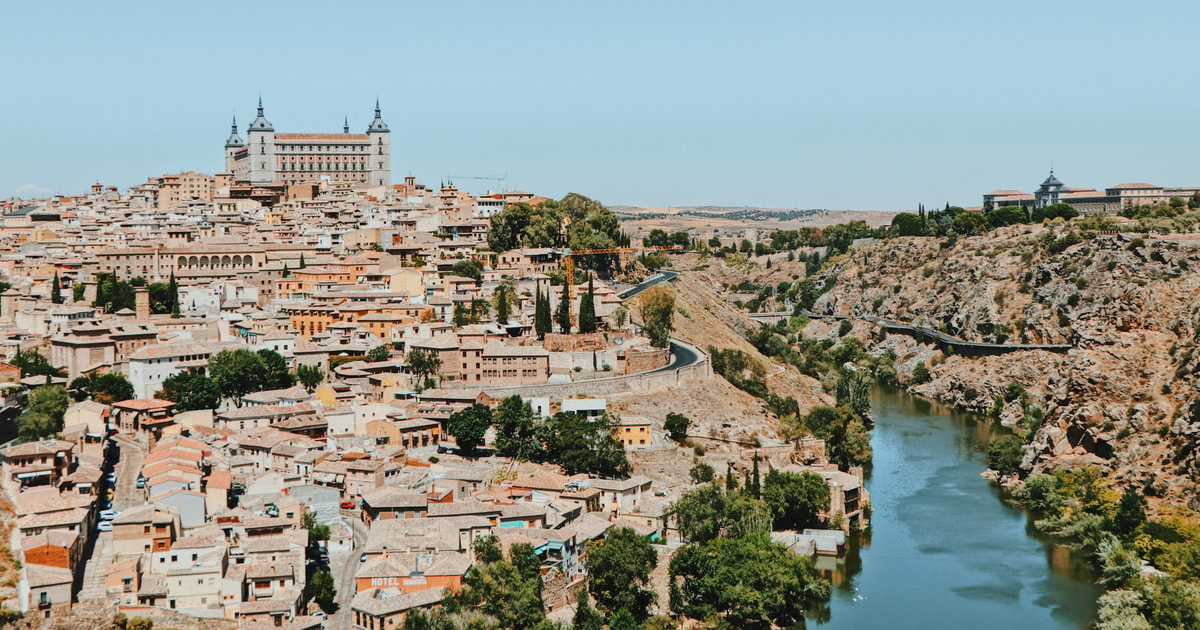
[(845, 327), (1005, 453), (140, 623), (920, 374)]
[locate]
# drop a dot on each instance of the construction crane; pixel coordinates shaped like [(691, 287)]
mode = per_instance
[(500, 179)]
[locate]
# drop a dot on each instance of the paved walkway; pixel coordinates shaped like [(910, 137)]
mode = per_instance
[(127, 495)]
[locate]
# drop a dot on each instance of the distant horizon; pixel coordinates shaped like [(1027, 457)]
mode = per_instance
[(775, 105)]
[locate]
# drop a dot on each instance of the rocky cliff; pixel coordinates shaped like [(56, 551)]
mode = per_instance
[(1120, 399)]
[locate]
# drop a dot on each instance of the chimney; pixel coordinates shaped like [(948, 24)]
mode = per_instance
[(142, 303)]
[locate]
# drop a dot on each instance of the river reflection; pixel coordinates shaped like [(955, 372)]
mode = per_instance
[(944, 551)]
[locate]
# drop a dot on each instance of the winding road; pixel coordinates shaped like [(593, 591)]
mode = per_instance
[(663, 276)]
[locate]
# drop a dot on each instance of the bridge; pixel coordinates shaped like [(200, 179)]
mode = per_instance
[(947, 343)]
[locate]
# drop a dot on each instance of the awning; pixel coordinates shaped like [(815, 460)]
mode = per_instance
[(40, 473)]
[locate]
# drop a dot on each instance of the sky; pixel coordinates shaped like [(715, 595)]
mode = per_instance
[(863, 106)]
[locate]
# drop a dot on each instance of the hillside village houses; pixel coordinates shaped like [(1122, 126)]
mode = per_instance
[(203, 511)]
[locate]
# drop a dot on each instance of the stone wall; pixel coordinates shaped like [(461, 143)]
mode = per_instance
[(644, 383)]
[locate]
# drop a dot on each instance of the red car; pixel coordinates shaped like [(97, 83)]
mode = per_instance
[(349, 505)]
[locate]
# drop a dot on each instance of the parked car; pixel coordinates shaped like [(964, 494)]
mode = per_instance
[(362, 558), (108, 515), (111, 478), (349, 505), (104, 526), (141, 482)]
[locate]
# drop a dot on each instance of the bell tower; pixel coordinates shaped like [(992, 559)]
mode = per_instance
[(380, 162)]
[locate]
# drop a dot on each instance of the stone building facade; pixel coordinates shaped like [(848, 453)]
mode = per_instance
[(291, 158)]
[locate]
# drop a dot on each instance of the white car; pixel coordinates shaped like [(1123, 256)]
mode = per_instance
[(108, 515), (104, 526)]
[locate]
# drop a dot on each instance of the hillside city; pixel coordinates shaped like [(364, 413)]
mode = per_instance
[(331, 402)]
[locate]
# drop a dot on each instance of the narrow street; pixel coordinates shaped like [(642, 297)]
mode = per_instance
[(125, 496), (344, 564)]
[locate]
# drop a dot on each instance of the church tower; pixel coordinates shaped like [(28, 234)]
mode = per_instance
[(231, 146), (380, 165), (260, 145)]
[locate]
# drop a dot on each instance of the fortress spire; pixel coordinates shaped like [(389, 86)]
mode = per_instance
[(234, 139)]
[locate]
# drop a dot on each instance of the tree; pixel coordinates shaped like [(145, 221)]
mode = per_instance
[(506, 589), (587, 309), (502, 297), (237, 373), (472, 269), (112, 294), (77, 292), (110, 388), (970, 223), (43, 415), (586, 617), (423, 363), (1005, 453), (658, 311), (581, 445), (316, 531), (795, 499), (620, 316), (469, 426), (619, 569), (623, 620), (1006, 215), (173, 290), (516, 428), (562, 316), (751, 581), (677, 425), (33, 363), (701, 473), (56, 290), (302, 264), (323, 590), (908, 224), (1131, 513), (160, 298), (754, 481), (854, 391), (310, 376), (706, 513), (276, 374), (191, 391), (541, 316), (378, 354)]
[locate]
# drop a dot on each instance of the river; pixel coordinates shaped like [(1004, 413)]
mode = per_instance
[(943, 550)]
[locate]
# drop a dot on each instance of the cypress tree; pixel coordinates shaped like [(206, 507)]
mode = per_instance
[(56, 290), (287, 273), (587, 310), (754, 483), (502, 304), (564, 309), (730, 480), (541, 314), (173, 295), (302, 260)]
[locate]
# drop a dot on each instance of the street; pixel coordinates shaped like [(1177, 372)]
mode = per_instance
[(343, 565), (126, 495)]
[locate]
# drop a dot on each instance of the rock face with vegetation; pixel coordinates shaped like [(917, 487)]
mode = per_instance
[(1120, 399)]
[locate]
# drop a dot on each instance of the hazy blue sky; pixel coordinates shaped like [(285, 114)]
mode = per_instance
[(860, 105)]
